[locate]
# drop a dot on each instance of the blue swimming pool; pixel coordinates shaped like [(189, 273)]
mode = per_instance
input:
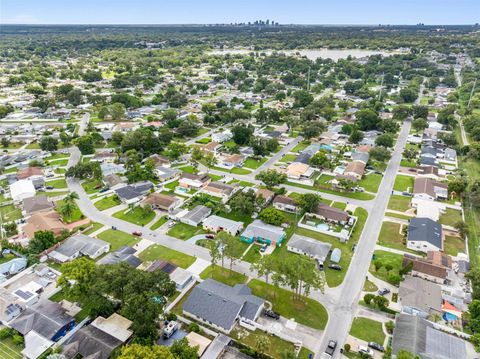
[(449, 317), (323, 226)]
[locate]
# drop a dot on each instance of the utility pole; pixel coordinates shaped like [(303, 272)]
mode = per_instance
[(471, 94)]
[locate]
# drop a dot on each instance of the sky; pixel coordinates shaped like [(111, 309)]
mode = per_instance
[(370, 12)]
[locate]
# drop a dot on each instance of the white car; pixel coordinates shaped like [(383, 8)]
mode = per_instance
[(363, 349), (171, 224)]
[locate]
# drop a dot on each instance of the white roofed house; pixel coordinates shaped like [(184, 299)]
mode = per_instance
[(424, 235), (22, 189), (216, 224), (189, 180), (222, 190), (165, 174), (79, 245), (309, 247)]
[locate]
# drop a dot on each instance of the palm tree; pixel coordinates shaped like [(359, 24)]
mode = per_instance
[(71, 197), (67, 209)]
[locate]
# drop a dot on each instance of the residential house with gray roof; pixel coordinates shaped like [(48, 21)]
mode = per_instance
[(424, 235), (221, 306), (79, 245)]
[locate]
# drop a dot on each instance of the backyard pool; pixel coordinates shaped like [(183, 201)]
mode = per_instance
[(323, 226), (339, 170)]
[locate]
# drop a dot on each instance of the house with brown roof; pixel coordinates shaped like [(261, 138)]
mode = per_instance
[(429, 172), (285, 203), (190, 180), (429, 189), (104, 157), (211, 147), (355, 169), (44, 221), (266, 194), (222, 190), (235, 160), (36, 204), (163, 202), (29, 173), (160, 161), (331, 214), (424, 269), (298, 170)]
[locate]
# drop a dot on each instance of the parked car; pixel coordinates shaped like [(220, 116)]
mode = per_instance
[(362, 349), (137, 233), (335, 266), (104, 189), (332, 345), (271, 314), (376, 346), (354, 247), (49, 187), (170, 224), (114, 228), (383, 291), (263, 248), (210, 236)]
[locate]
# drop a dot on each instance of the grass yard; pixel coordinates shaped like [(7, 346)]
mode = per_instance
[(253, 254), (135, 216), (399, 203), (301, 146), (305, 311), (52, 193), (396, 215), (59, 163), (95, 227), (371, 182), (453, 245), (289, 157), (215, 177), (368, 330), (76, 215), (158, 251), (390, 236), (240, 171), (92, 186), (253, 163), (404, 183), (339, 205), (8, 349), (184, 231), (228, 277), (386, 258), (451, 217), (408, 163), (57, 156), (188, 169), (172, 185), (10, 213), (159, 223), (57, 184), (204, 141), (358, 195), (107, 202), (118, 238), (369, 286)]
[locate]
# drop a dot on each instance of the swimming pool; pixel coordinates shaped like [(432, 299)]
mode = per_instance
[(449, 317), (323, 226)]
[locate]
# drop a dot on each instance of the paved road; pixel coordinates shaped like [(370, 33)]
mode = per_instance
[(83, 124), (341, 315)]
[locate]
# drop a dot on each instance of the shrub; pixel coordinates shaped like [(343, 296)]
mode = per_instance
[(390, 325), (347, 347), (368, 298), (171, 316), (194, 327)]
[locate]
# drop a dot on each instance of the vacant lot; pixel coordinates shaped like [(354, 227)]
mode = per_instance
[(368, 330), (454, 245), (225, 276), (118, 239), (158, 251), (451, 217), (390, 236), (404, 183), (371, 182), (387, 260), (399, 203), (184, 231), (57, 184), (136, 216)]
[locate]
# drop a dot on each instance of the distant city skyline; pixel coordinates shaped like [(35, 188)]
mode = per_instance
[(354, 12)]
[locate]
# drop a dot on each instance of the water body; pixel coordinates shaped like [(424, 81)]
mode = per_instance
[(334, 54)]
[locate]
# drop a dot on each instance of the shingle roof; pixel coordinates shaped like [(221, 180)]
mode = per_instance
[(332, 213), (90, 341), (123, 254), (197, 214), (35, 204), (80, 243), (419, 293), (310, 246), (425, 230), (259, 229)]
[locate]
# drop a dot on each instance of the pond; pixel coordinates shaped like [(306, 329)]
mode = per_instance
[(313, 54)]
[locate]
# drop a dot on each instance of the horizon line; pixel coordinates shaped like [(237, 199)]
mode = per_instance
[(419, 24)]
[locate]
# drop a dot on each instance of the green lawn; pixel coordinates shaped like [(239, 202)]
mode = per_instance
[(235, 216), (95, 227), (188, 169), (368, 330), (301, 146), (107, 202), (171, 185), (57, 156), (393, 259), (10, 213), (60, 163), (253, 254), (390, 236), (52, 193), (158, 251), (92, 186), (184, 231), (399, 203), (135, 216), (451, 217), (8, 350), (408, 163), (371, 182), (289, 157), (396, 215), (340, 205), (227, 277), (76, 215), (404, 183), (453, 245), (369, 286), (215, 177), (305, 311), (239, 171), (253, 163), (204, 141), (57, 184), (159, 223), (358, 195), (118, 238)]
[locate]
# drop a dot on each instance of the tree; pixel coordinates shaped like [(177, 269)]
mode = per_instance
[(271, 178), (457, 185), (75, 97), (419, 124), (243, 202), (380, 154), (210, 159), (309, 202), (320, 160), (302, 98), (66, 139), (241, 134), (86, 145), (42, 240), (188, 128), (272, 216), (420, 111), (404, 354), (385, 140), (380, 301), (288, 354), (137, 351), (117, 137), (214, 250), (408, 94), (176, 149), (182, 350), (367, 298), (264, 267), (48, 143), (410, 153), (196, 156), (312, 129), (356, 136), (117, 111), (77, 277), (5, 141), (67, 209), (367, 119), (377, 264)]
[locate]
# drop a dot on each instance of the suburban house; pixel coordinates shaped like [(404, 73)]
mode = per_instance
[(160, 161), (123, 254), (44, 221), (331, 214), (222, 190), (133, 193), (427, 269), (232, 161), (179, 276), (298, 170), (420, 297), (211, 147), (42, 324), (450, 155), (309, 247), (99, 338), (190, 180), (307, 153), (266, 194), (79, 245), (429, 172), (9, 306), (355, 169), (111, 169), (258, 231), (216, 224), (114, 181), (361, 156), (195, 216), (221, 306), (104, 157), (22, 189), (424, 235), (162, 202), (222, 136), (29, 173), (166, 173), (285, 203), (427, 188), (420, 337), (36, 204)]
